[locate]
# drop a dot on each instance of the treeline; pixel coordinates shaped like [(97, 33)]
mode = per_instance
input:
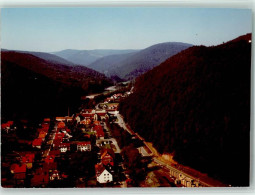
[(136, 165), (197, 105)]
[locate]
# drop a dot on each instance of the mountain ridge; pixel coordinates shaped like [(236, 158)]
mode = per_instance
[(86, 57), (130, 66), (196, 105)]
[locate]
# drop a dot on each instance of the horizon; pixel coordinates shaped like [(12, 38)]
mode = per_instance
[(45, 29), (52, 52)]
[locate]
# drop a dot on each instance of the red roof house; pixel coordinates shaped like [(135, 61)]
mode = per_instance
[(107, 157), (19, 171), (59, 135), (28, 160), (61, 124), (50, 159), (37, 143)]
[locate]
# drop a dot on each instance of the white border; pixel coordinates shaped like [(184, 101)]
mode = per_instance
[(147, 3)]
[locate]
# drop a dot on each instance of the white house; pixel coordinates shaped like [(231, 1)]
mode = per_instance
[(102, 174), (84, 146), (64, 147), (78, 119)]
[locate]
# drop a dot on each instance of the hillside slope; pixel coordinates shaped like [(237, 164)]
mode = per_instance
[(32, 87), (108, 64), (134, 64), (196, 105)]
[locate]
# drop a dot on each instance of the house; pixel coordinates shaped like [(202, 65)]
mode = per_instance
[(47, 120), (102, 174), (60, 118), (88, 115), (19, 171), (55, 175), (28, 160), (50, 158), (7, 126), (37, 143), (42, 135), (61, 125), (84, 146), (107, 157), (86, 121), (96, 117), (64, 147), (78, 119), (59, 136)]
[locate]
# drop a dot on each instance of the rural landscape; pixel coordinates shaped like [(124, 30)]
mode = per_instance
[(170, 114)]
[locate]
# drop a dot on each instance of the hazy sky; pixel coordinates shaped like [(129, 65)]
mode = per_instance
[(53, 29)]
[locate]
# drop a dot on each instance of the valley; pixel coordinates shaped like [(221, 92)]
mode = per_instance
[(67, 125)]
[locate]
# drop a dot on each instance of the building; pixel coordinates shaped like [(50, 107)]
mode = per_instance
[(86, 121), (47, 120), (84, 146), (37, 143), (107, 157), (64, 147), (61, 125), (59, 136), (55, 175), (42, 135), (28, 160), (102, 174), (65, 118), (7, 126), (19, 172), (50, 158)]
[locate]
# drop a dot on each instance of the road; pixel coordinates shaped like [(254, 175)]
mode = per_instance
[(50, 142), (181, 170), (123, 125)]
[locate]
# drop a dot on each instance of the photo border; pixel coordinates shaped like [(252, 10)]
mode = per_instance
[(241, 4)]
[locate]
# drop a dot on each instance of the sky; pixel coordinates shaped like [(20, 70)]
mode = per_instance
[(55, 29)]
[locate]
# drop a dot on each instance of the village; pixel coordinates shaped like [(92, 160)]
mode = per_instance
[(70, 151), (92, 148)]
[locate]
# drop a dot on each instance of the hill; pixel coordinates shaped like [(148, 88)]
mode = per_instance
[(196, 105), (86, 57), (109, 64), (33, 87), (46, 56), (129, 66)]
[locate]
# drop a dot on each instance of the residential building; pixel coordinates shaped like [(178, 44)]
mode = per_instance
[(84, 146), (102, 174)]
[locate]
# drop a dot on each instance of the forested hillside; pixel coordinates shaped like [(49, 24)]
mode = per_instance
[(196, 105), (131, 65), (32, 87)]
